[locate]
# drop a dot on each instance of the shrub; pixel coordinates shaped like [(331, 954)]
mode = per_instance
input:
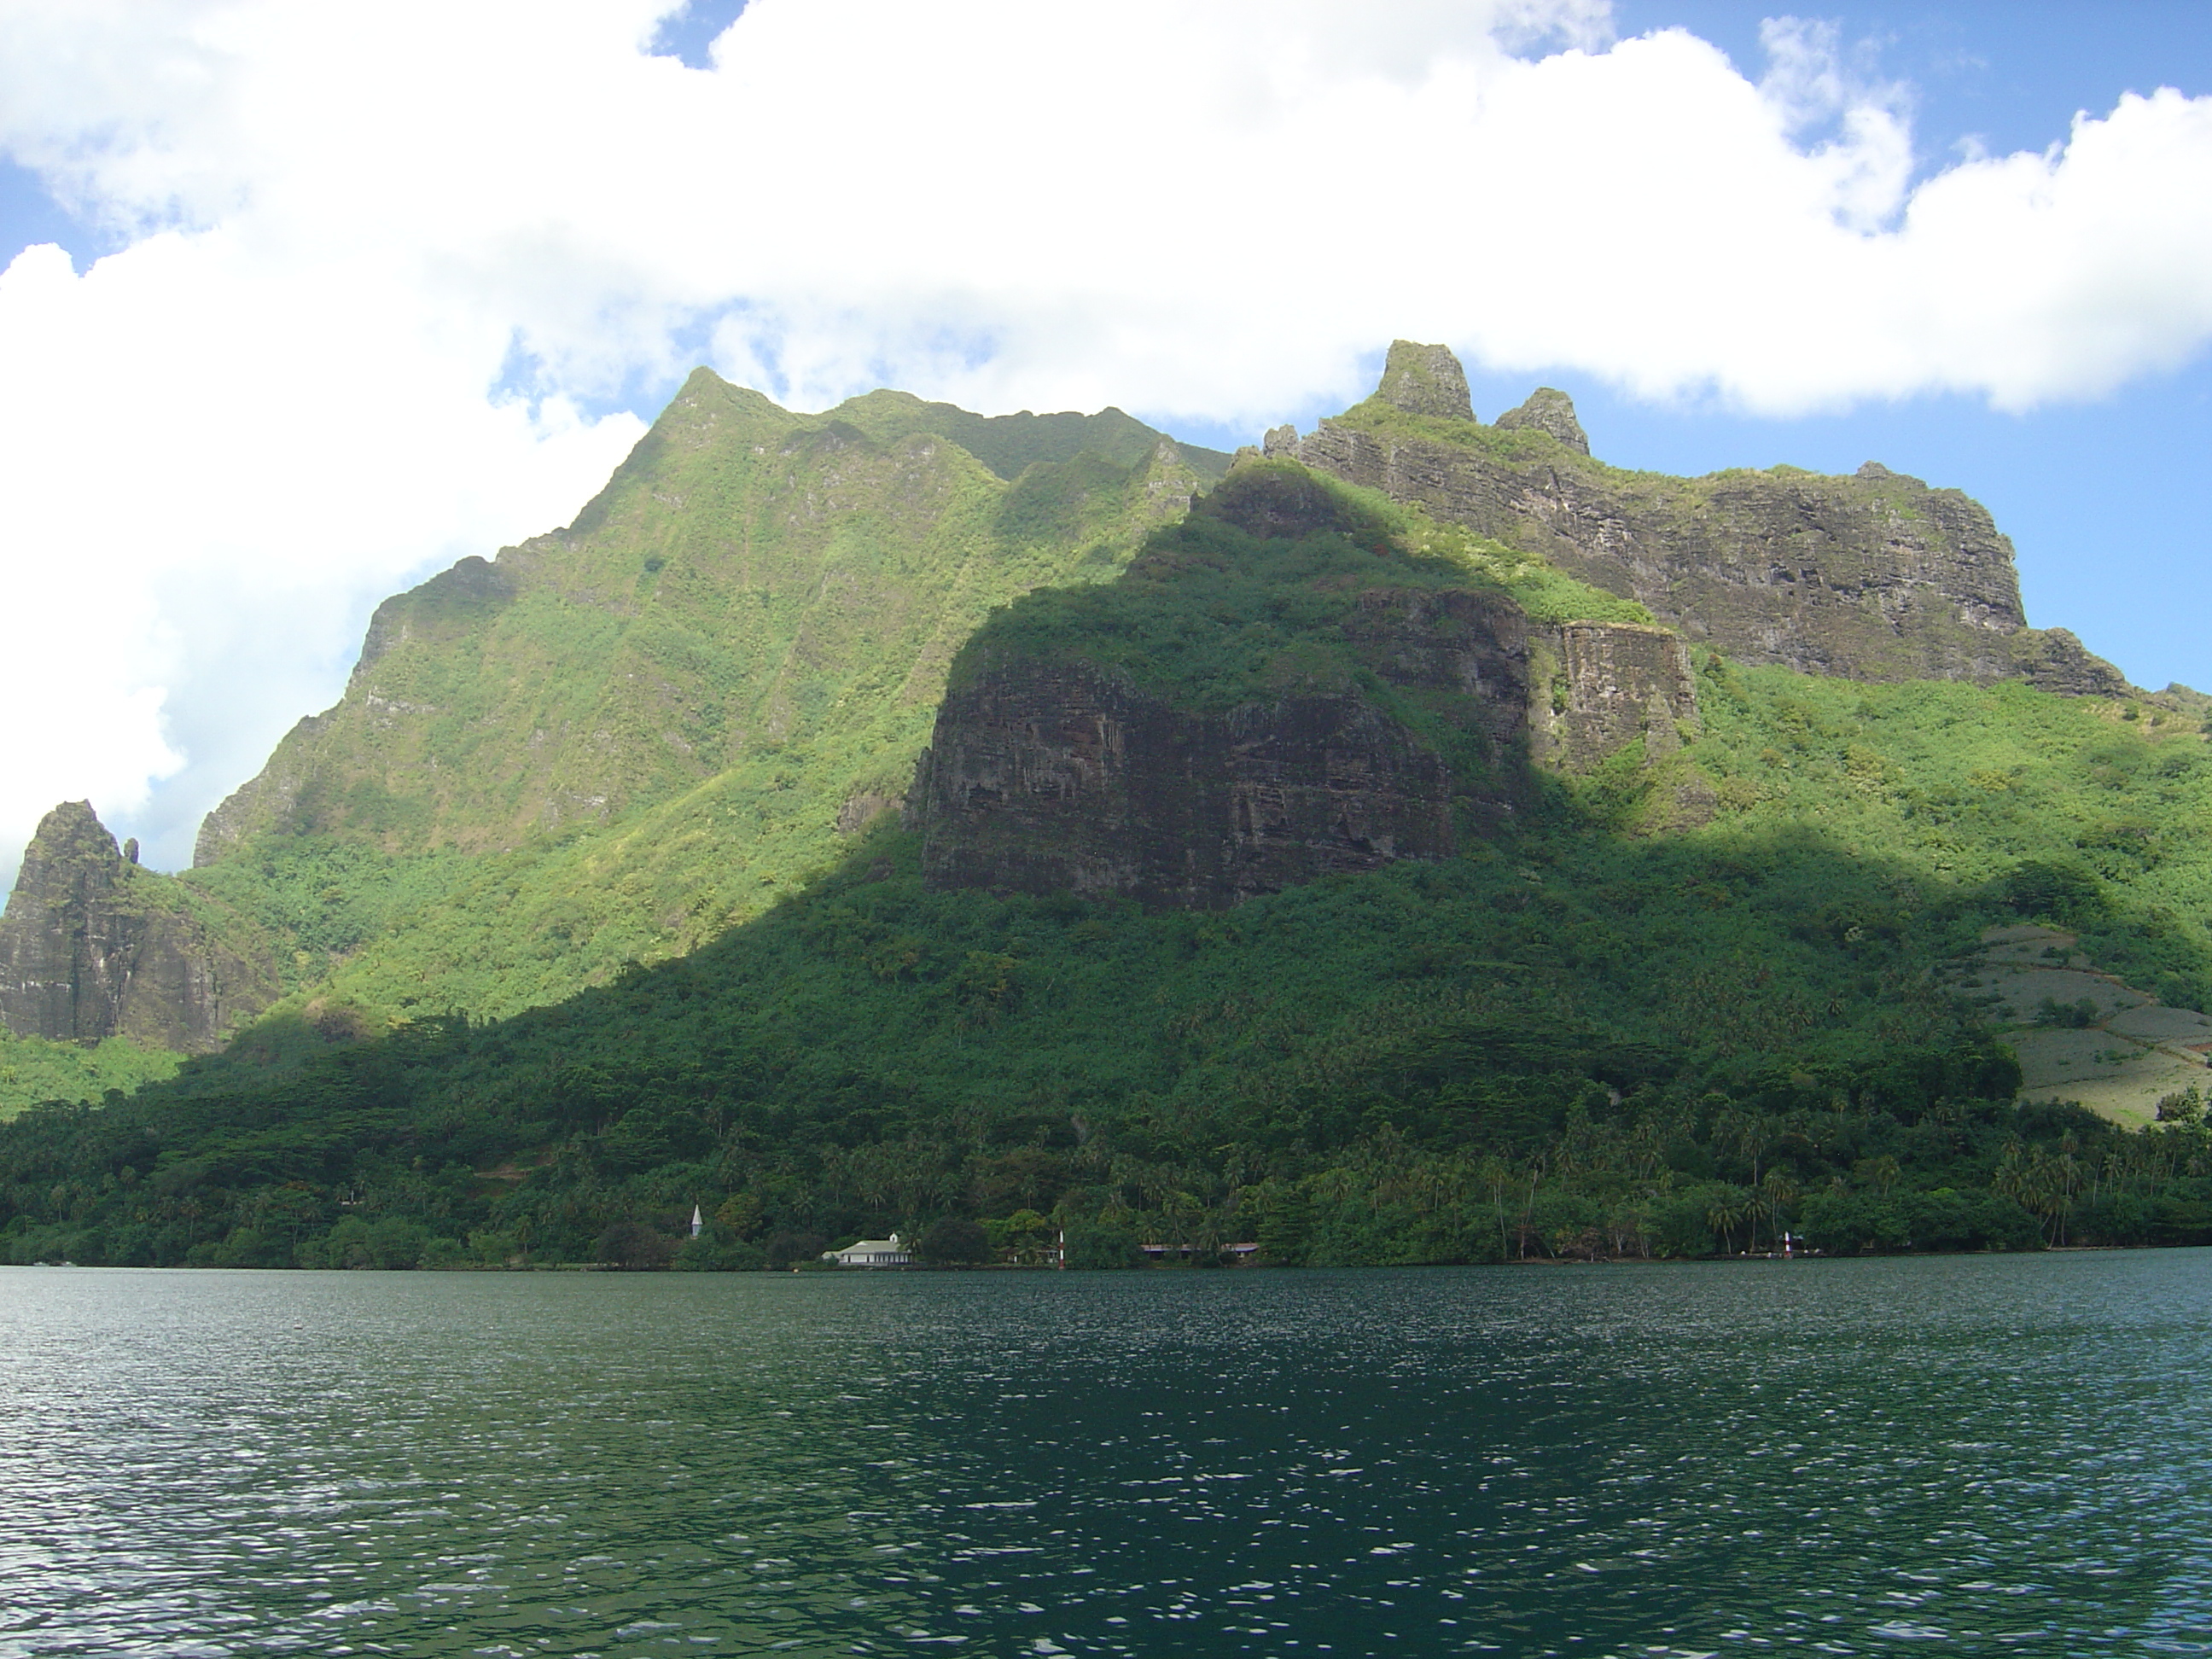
[(632, 1247), (1102, 1244), (954, 1241)]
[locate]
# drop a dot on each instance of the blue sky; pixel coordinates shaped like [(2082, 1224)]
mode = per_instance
[(2108, 501), (343, 297)]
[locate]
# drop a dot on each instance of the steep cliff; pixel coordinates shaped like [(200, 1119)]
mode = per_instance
[(1276, 691), (1601, 686), (1066, 775), (1871, 577), (93, 946), (617, 741)]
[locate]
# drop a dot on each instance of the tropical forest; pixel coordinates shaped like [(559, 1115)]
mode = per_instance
[(1060, 846)]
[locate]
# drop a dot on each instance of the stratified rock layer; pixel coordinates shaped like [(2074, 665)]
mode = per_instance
[(93, 946), (1872, 577), (1062, 779), (1058, 777)]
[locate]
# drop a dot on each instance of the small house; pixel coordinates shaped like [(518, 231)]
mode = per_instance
[(892, 1252)]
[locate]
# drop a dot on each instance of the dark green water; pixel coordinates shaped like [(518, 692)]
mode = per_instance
[(1959, 1455)]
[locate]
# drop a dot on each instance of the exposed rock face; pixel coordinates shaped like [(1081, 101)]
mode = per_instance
[(863, 807), (1053, 774), (1058, 780), (1548, 411), (1874, 577), (1058, 776), (1600, 686), (93, 946), (2052, 659), (1425, 379)]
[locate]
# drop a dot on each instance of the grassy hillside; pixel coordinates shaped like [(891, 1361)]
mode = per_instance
[(619, 740), (1622, 1025)]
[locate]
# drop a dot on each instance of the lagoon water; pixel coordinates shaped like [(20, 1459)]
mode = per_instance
[(1962, 1456)]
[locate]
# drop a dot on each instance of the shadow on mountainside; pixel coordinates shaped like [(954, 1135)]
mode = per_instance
[(1685, 992), (1564, 1014)]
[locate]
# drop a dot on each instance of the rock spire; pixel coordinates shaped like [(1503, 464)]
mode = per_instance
[(1425, 379), (1548, 409), (93, 946)]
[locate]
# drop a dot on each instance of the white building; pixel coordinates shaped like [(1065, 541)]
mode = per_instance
[(890, 1252)]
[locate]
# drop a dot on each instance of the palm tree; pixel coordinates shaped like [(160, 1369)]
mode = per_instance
[(1777, 1189), (1727, 1206)]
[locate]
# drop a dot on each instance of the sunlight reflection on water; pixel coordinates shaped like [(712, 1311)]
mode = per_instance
[(1965, 1455)]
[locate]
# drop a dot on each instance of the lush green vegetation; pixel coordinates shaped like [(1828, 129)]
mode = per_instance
[(1623, 1027), (1213, 615), (632, 735), (2093, 814), (1436, 1063), (32, 1069), (1010, 444)]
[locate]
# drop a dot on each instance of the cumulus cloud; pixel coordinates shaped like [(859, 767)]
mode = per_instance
[(383, 270)]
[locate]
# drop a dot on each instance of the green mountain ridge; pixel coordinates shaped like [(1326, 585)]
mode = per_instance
[(748, 578), (1547, 932), (618, 740), (612, 742)]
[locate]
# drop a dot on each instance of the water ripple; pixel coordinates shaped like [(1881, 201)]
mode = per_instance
[(1973, 1455)]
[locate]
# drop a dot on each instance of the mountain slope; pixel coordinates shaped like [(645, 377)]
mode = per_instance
[(1598, 1025), (612, 742), (748, 578)]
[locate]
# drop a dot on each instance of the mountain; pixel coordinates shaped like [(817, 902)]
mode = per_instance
[(1346, 706), (615, 741), (94, 946), (749, 580), (1871, 577), (1317, 863)]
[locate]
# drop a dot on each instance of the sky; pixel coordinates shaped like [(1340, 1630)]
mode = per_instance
[(300, 303)]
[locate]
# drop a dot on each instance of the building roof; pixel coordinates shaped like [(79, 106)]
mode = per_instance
[(866, 1248)]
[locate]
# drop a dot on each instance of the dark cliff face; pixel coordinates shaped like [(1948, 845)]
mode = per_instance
[(1060, 780), (93, 946), (1394, 721), (1060, 777), (1873, 577)]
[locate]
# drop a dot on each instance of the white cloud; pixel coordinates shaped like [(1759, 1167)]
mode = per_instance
[(214, 463), (279, 400)]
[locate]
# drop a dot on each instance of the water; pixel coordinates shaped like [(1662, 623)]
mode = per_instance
[(1964, 1455)]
